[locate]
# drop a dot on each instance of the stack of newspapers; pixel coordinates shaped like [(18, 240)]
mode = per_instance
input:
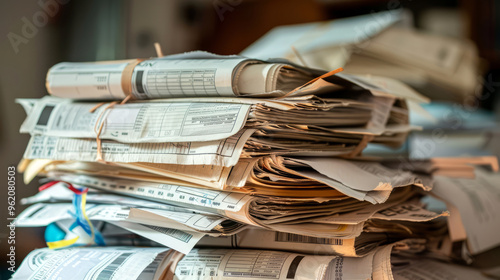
[(200, 166)]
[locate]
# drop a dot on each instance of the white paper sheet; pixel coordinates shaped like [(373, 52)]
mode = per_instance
[(188, 196), (250, 264), (149, 122), (87, 80), (182, 241), (220, 152), (165, 78), (171, 219), (477, 200), (113, 263)]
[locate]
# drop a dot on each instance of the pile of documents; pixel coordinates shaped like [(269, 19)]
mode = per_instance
[(383, 44), (199, 166)]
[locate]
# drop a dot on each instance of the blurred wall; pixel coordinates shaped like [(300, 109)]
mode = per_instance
[(24, 62)]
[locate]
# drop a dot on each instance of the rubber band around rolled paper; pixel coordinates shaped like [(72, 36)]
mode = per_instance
[(126, 80), (126, 83)]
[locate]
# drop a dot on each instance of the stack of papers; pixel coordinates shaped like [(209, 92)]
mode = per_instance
[(163, 263), (225, 167), (330, 114)]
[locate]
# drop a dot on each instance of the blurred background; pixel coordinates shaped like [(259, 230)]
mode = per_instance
[(39, 34)]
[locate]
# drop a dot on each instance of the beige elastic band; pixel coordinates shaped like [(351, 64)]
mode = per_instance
[(127, 73), (92, 110), (126, 83), (98, 129), (126, 99), (159, 52), (127, 77), (99, 125)]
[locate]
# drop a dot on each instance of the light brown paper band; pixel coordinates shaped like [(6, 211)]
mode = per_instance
[(127, 77)]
